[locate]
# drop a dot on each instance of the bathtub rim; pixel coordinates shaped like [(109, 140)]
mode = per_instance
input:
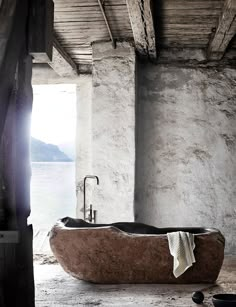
[(61, 226)]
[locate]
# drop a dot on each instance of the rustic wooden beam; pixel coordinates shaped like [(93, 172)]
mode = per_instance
[(140, 14), (13, 20), (16, 270), (41, 30), (7, 10), (24, 101), (61, 62), (16, 257), (15, 146), (225, 31)]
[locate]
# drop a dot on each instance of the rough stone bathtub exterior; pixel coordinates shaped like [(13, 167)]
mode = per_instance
[(106, 254)]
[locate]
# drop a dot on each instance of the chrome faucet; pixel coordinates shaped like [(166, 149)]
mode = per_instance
[(92, 213)]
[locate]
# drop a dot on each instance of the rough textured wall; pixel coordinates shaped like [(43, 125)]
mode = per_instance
[(186, 148), (83, 141), (113, 130)]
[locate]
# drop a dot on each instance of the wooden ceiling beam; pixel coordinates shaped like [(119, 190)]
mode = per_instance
[(141, 19), (225, 31), (61, 62)]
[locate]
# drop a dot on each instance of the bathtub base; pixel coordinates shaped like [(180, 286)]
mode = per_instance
[(109, 255)]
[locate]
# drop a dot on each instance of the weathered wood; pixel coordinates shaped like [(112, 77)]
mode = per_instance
[(93, 35), (90, 16), (17, 286), (15, 144), (178, 41), (7, 10), (87, 3), (9, 164), (208, 21), (8, 64), (16, 267), (17, 275), (23, 115), (180, 4), (89, 23), (81, 22), (25, 294), (90, 33), (92, 10), (192, 4), (61, 62), (189, 12), (225, 31), (141, 19), (41, 30), (180, 23), (80, 52), (173, 23)]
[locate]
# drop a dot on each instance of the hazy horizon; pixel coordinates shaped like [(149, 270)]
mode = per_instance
[(54, 114)]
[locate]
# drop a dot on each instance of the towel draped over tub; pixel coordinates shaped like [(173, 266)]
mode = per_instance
[(181, 245)]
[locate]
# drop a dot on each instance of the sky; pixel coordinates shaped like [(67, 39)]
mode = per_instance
[(54, 113)]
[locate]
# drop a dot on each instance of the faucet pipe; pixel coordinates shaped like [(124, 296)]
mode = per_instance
[(85, 179)]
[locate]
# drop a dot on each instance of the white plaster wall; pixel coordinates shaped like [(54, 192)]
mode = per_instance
[(83, 142), (186, 148), (113, 131)]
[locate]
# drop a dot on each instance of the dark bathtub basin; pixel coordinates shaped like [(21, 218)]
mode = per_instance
[(224, 300), (131, 252)]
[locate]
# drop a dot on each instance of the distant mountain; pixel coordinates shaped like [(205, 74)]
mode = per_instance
[(68, 149), (42, 152)]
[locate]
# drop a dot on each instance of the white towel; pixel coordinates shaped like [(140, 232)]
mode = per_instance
[(181, 245)]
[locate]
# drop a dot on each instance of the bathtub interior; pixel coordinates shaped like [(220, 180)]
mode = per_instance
[(133, 227)]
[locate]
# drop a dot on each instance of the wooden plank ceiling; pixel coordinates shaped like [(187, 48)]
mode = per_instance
[(178, 23), (77, 23), (186, 23)]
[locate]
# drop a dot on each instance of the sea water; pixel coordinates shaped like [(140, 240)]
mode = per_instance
[(53, 193)]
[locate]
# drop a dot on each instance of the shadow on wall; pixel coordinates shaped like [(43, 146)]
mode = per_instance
[(157, 135), (151, 152), (185, 148)]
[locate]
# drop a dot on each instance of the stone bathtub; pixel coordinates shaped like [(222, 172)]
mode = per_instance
[(131, 252)]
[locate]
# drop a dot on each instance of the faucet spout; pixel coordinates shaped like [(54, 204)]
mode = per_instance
[(85, 179)]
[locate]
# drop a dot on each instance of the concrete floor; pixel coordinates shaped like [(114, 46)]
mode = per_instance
[(55, 288)]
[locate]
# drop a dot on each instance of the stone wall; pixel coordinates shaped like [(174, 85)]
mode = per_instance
[(183, 163), (106, 134), (83, 141), (113, 130), (186, 148)]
